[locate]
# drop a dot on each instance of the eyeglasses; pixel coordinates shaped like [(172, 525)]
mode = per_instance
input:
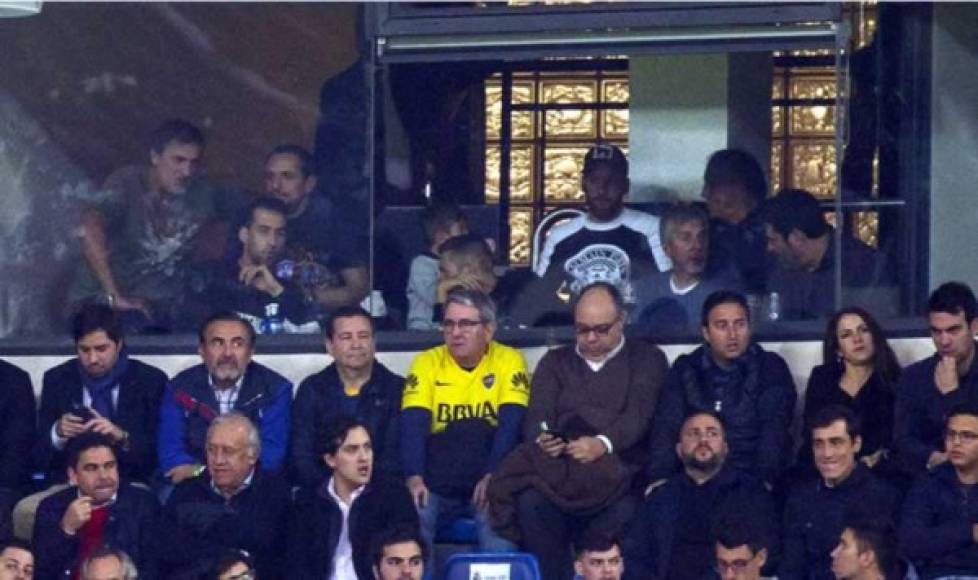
[(465, 325), (599, 329), (735, 566), (962, 436)]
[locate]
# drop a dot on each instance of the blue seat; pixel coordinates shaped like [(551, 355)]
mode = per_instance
[(492, 566)]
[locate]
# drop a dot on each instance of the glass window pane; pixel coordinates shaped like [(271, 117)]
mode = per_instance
[(520, 174)]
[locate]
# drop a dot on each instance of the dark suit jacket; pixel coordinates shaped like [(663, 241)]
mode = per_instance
[(316, 524), (132, 527), (17, 427), (137, 411), (199, 525)]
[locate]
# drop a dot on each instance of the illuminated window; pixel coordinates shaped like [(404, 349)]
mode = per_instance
[(565, 114)]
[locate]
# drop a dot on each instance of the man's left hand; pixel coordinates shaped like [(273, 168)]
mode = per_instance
[(100, 424), (586, 449), (479, 497)]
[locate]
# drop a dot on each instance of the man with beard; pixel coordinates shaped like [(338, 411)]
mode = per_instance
[(327, 237), (248, 282), (228, 380), (816, 511), (749, 388), (231, 505), (672, 535), (932, 386), (398, 553), (102, 390), (332, 524), (96, 510), (610, 243)]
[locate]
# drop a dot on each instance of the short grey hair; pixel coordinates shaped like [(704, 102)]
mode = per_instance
[(681, 213), (473, 299), (129, 571), (238, 418)]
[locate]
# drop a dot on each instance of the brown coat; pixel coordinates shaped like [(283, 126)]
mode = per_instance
[(617, 401)]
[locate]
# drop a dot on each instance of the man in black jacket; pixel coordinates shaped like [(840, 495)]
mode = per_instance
[(939, 527), (932, 386), (95, 510), (749, 388), (671, 538), (232, 505), (17, 428), (332, 525), (104, 391), (355, 385), (816, 510)]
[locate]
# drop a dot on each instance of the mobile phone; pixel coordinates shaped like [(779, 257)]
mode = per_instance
[(83, 413), (553, 432)]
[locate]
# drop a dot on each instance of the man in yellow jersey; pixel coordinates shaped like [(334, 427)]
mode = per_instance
[(462, 410)]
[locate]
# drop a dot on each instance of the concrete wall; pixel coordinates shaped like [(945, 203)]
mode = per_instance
[(954, 145)]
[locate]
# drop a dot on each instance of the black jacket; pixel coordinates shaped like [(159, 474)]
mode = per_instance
[(131, 527), (137, 411), (17, 427), (814, 518), (198, 525), (317, 521), (650, 537), (921, 410), (756, 410), (935, 530), (319, 403)]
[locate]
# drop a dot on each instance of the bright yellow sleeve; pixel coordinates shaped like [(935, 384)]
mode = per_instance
[(515, 387), (419, 383)]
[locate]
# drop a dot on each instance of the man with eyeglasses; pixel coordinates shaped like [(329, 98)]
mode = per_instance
[(731, 375), (463, 405), (816, 510), (741, 547), (95, 510), (672, 536), (939, 525), (584, 435)]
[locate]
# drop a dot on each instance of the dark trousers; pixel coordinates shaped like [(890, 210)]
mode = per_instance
[(548, 532)]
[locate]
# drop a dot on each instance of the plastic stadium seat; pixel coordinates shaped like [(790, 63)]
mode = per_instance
[(492, 566)]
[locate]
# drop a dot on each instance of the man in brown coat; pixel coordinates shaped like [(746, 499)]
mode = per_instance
[(588, 420)]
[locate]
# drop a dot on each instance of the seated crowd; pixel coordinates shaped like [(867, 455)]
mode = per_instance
[(605, 463), (165, 248)]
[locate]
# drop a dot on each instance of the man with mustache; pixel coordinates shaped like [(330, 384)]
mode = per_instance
[(332, 524), (610, 243), (816, 510), (932, 386), (228, 380), (730, 375), (398, 553), (671, 537), (73, 523), (249, 280)]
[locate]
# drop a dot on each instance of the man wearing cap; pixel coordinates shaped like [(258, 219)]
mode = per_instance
[(609, 243)]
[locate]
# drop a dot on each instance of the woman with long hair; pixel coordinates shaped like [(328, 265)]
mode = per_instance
[(859, 371)]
